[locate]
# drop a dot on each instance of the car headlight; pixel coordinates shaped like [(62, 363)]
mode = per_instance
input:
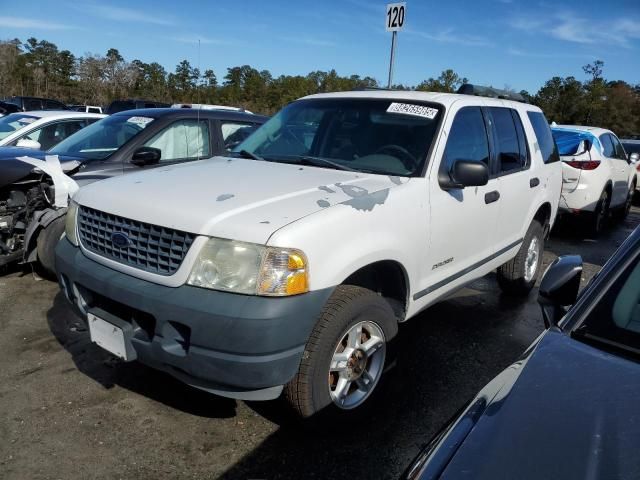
[(70, 223), (249, 268)]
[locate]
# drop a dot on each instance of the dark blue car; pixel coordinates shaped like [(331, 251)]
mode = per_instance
[(570, 407)]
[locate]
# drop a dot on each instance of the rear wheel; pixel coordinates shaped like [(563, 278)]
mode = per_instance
[(518, 276), (346, 354), (601, 214), (624, 211), (46, 245)]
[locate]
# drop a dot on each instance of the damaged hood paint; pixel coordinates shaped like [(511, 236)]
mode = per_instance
[(239, 199)]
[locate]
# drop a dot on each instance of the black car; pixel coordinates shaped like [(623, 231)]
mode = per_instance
[(569, 407), (133, 104), (29, 104), (30, 220), (7, 108)]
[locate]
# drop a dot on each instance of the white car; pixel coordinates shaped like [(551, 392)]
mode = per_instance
[(598, 176), (288, 266), (632, 147), (42, 129)]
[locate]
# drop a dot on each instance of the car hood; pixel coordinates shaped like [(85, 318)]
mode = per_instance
[(12, 169), (234, 198), (571, 413)]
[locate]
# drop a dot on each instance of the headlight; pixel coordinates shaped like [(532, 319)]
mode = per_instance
[(250, 269), (70, 223)]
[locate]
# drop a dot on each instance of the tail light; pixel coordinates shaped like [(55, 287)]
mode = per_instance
[(638, 166), (584, 165)]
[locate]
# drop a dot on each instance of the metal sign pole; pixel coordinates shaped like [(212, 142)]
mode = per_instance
[(393, 54)]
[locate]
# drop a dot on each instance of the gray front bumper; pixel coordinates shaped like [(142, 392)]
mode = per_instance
[(239, 346)]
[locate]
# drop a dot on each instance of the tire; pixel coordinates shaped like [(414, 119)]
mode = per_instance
[(46, 245), (314, 386), (600, 215), (518, 276)]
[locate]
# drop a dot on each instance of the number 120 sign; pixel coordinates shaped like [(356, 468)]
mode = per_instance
[(395, 16)]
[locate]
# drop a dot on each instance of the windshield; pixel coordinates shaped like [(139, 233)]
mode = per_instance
[(103, 137), (14, 122), (368, 135), (614, 323)]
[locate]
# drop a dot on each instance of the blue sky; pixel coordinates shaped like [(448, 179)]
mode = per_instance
[(500, 42)]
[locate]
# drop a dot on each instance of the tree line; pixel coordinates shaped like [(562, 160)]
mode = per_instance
[(40, 68)]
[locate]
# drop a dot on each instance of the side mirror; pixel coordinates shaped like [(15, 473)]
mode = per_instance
[(467, 173), (146, 156), (559, 288), (634, 157), (27, 143)]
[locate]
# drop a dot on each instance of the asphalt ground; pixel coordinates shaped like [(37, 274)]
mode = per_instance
[(68, 410)]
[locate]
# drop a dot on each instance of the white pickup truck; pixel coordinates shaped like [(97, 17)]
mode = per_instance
[(289, 264)]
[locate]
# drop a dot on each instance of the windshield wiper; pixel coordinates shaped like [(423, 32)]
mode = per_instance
[(250, 155), (320, 162)]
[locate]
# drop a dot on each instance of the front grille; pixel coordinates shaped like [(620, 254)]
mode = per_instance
[(151, 248)]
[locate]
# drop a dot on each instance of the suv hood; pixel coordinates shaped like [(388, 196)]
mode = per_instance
[(235, 198)]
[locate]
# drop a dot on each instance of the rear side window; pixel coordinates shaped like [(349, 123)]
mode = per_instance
[(507, 140), (607, 146), (467, 138), (619, 149), (32, 104), (544, 138)]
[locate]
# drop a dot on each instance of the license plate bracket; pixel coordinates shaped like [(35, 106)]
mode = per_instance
[(111, 333)]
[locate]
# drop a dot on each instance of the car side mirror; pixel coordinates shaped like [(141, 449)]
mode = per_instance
[(559, 288), (466, 173), (146, 156), (28, 143), (634, 157)]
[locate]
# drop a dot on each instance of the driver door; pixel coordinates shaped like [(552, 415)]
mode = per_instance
[(462, 221)]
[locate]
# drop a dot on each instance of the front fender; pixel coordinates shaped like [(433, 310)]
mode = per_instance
[(40, 220)]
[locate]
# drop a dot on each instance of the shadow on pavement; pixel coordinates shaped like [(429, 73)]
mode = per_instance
[(105, 369)]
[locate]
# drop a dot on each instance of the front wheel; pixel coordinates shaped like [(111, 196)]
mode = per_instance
[(46, 246), (346, 354), (518, 276)]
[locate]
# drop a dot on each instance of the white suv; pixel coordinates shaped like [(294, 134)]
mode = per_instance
[(289, 265), (597, 174)]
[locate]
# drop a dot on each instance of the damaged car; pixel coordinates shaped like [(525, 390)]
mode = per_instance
[(35, 186)]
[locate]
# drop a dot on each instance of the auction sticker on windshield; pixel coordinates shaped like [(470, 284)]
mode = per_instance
[(411, 109), (140, 121)]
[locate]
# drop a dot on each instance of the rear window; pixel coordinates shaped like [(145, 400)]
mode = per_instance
[(545, 140)]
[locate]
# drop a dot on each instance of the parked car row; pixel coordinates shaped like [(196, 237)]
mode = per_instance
[(32, 104)]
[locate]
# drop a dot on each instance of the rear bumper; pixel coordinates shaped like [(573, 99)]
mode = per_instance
[(239, 346), (583, 198)]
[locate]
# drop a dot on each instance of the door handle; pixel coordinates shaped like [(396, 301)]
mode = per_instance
[(491, 197), (534, 182)]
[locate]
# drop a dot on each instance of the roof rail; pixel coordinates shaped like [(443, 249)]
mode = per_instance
[(204, 106), (364, 89), (480, 91)]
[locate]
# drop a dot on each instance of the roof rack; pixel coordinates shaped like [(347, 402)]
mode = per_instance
[(480, 91), (204, 106)]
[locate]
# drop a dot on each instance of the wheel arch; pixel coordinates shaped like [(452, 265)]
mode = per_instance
[(389, 279)]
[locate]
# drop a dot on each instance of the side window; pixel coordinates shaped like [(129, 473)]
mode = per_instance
[(32, 104), (50, 135), (53, 105), (233, 133), (545, 140), (467, 138), (618, 148), (183, 140), (507, 142), (608, 149)]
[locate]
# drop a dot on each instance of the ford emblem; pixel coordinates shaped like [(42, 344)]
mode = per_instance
[(120, 240)]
